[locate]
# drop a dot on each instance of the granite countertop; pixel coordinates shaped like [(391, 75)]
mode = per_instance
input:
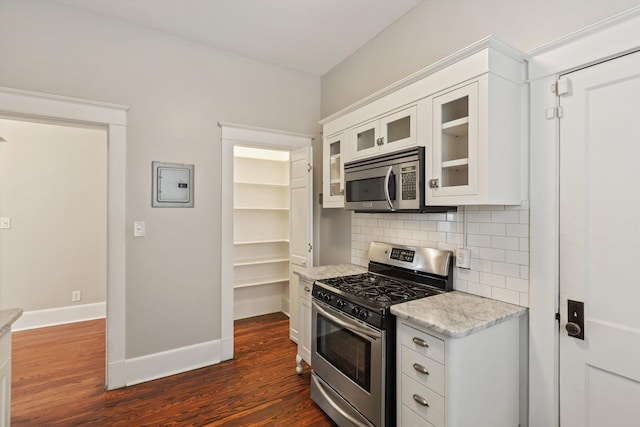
[(457, 314), (327, 271), (7, 317)]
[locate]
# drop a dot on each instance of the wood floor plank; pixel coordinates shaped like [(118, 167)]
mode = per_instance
[(58, 380)]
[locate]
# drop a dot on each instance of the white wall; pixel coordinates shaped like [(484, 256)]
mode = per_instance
[(437, 28), (177, 91), (53, 186)]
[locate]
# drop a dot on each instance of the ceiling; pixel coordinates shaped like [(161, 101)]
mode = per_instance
[(311, 36)]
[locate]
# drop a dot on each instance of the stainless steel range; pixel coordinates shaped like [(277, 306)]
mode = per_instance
[(353, 330)]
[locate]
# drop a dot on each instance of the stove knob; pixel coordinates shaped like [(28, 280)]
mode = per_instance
[(320, 295), (363, 314), (341, 303), (355, 311), (327, 297)]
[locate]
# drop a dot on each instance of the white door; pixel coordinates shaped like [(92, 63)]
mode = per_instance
[(301, 223), (599, 244)]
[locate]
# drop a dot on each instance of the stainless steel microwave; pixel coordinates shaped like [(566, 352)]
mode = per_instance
[(391, 182)]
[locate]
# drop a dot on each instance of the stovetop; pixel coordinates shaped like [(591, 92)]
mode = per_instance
[(396, 274), (378, 289)]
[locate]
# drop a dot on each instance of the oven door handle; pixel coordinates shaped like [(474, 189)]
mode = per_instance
[(354, 327), (386, 188)]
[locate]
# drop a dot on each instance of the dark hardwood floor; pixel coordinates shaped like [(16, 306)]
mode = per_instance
[(58, 380)]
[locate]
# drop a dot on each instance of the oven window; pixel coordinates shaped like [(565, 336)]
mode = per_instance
[(346, 351), (369, 190)]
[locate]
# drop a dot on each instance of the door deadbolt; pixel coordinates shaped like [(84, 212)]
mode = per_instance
[(575, 322)]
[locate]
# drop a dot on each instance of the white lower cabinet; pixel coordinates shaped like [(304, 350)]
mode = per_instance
[(304, 325), (458, 382), (5, 380)]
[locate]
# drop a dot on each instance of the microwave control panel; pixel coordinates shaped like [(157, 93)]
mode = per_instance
[(408, 175)]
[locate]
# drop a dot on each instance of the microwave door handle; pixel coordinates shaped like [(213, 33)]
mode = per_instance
[(386, 187)]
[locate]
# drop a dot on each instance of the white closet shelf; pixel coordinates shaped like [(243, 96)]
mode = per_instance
[(262, 184), (249, 262), (259, 208), (258, 282), (455, 163), (256, 242)]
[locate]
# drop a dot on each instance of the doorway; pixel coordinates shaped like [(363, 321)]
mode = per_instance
[(53, 189), (38, 106), (300, 148)]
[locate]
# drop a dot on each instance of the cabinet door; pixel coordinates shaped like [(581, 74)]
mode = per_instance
[(333, 172), (455, 143), (398, 130), (304, 343), (365, 139)]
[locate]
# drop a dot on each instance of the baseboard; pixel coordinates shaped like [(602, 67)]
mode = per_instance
[(171, 362), (59, 316), (257, 306)]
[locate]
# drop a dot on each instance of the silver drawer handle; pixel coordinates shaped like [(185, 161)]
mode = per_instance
[(420, 342), (306, 289), (418, 367), (421, 400)]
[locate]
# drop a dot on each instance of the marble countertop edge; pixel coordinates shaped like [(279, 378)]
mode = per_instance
[(7, 318), (326, 271), (457, 314)]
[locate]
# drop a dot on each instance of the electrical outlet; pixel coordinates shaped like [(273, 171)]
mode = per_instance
[(76, 296), (5, 222), (463, 258)]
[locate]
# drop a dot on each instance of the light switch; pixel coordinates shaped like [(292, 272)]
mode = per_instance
[(463, 258), (138, 229), (5, 222)]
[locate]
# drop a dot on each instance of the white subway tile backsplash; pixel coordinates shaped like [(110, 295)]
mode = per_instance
[(492, 279), (497, 237), (517, 230), (500, 242), (505, 217), (492, 229), (505, 295)]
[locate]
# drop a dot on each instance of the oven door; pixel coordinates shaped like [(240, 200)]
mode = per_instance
[(347, 355)]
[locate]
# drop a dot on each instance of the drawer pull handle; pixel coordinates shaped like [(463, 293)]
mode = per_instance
[(421, 400), (306, 289), (418, 367), (420, 342)]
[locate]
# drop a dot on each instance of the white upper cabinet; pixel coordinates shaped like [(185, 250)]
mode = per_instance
[(385, 134), (476, 144), (467, 110), (333, 171)]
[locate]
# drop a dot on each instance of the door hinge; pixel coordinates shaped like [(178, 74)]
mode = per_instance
[(551, 113), (561, 87), (558, 317), (309, 167), (310, 247)]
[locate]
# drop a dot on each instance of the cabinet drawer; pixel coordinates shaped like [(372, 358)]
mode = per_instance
[(423, 343), (434, 413), (410, 418), (413, 364)]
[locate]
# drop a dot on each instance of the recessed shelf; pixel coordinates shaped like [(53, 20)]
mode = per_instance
[(258, 208), (247, 262), (262, 184), (258, 282), (459, 127), (455, 163), (257, 242)]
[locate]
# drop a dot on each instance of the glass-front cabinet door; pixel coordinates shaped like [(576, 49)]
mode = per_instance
[(366, 139), (385, 134), (455, 143), (398, 130), (333, 172)]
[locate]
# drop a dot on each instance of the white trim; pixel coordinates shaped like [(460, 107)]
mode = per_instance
[(175, 361), (231, 134), (60, 316), (113, 117), (484, 43), (610, 38)]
